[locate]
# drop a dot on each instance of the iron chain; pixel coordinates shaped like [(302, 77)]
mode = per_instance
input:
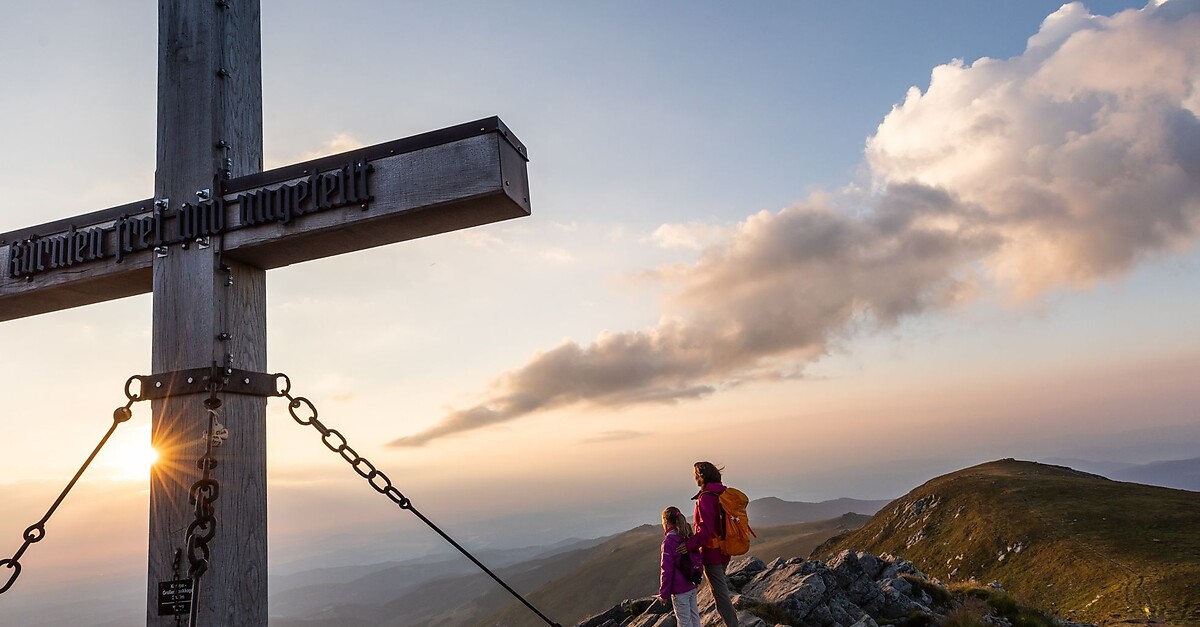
[(305, 414), (203, 493), (37, 531)]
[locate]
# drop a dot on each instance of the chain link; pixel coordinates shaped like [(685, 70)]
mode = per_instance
[(37, 531), (305, 414), (203, 493)]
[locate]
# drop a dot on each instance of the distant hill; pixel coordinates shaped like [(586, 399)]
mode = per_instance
[(1103, 468), (1069, 542), (1182, 474), (351, 593), (772, 511)]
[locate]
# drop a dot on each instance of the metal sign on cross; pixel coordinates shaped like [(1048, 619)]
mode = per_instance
[(202, 245)]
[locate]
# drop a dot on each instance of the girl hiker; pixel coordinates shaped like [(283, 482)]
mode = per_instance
[(680, 573)]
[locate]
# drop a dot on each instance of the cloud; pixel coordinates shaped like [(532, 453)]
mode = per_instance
[(615, 436), (557, 255), (777, 293), (1082, 151), (691, 236), (1058, 168), (339, 143)]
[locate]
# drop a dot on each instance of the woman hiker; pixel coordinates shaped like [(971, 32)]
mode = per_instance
[(708, 511)]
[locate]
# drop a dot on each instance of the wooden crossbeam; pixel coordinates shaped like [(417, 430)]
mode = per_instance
[(472, 174)]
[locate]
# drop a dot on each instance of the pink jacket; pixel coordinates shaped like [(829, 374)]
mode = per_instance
[(708, 511), (672, 581)]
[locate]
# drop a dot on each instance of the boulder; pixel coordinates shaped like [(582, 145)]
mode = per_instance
[(746, 619), (896, 566), (854, 589), (849, 566), (652, 620), (631, 612), (795, 588), (741, 571), (896, 601)]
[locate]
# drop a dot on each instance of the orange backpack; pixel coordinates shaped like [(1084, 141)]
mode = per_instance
[(733, 526)]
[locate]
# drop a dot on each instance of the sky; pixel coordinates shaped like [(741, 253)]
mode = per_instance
[(836, 247)]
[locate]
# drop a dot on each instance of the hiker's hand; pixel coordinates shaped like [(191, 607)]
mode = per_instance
[(682, 549)]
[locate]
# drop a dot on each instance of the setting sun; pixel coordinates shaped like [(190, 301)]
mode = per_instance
[(129, 457)]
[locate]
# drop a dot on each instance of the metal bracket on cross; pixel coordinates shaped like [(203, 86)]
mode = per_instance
[(201, 380)]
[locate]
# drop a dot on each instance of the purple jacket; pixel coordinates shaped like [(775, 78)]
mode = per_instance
[(708, 510), (672, 581)]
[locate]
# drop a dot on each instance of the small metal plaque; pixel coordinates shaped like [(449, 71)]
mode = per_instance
[(174, 597)]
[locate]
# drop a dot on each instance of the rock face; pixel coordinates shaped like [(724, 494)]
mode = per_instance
[(851, 590)]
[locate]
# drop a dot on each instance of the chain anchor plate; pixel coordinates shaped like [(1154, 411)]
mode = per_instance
[(201, 381)]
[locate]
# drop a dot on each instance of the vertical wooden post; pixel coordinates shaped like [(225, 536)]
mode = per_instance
[(209, 110)]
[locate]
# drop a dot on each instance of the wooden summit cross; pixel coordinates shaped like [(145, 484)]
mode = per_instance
[(203, 244)]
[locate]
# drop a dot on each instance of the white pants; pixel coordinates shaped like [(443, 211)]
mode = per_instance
[(687, 610)]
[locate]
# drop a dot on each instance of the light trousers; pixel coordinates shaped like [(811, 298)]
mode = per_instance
[(687, 610)]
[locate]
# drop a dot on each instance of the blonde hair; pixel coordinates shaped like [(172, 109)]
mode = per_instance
[(675, 519)]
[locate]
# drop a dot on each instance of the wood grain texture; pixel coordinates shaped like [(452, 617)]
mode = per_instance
[(436, 190), (456, 185), (209, 92)]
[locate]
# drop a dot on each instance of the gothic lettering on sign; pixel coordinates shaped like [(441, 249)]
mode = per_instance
[(346, 186), (64, 250), (202, 219)]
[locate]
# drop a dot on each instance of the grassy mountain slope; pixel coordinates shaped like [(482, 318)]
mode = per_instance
[(1078, 545), (626, 567)]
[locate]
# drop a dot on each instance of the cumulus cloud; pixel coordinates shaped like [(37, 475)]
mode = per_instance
[(1082, 151), (776, 294), (1058, 168)]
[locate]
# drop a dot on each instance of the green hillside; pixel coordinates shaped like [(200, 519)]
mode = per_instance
[(626, 567), (1078, 545)]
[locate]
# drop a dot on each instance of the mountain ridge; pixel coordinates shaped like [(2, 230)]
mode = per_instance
[(771, 511), (1071, 542), (1181, 474)]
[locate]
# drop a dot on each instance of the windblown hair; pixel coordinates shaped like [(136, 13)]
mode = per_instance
[(708, 472), (675, 519)]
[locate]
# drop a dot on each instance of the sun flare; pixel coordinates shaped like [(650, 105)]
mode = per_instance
[(130, 457)]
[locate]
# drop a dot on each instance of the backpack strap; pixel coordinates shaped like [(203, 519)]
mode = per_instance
[(720, 522)]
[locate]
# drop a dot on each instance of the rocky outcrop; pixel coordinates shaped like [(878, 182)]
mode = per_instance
[(851, 590)]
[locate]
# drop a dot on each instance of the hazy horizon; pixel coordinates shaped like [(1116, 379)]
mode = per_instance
[(838, 248)]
